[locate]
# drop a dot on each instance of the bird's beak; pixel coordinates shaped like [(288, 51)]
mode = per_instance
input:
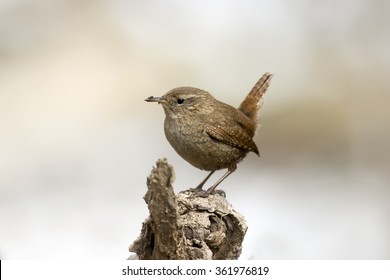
[(155, 99)]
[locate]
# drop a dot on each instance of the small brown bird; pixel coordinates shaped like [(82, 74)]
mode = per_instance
[(208, 133)]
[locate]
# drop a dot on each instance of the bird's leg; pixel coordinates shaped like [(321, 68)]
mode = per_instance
[(200, 186), (212, 188), (231, 169)]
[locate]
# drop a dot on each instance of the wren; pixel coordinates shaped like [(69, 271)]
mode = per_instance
[(208, 133)]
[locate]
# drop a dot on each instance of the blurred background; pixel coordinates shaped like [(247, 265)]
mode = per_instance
[(77, 140)]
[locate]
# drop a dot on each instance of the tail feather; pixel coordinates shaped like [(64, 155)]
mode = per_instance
[(253, 101)]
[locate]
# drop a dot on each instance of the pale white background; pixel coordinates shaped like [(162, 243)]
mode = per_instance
[(77, 141)]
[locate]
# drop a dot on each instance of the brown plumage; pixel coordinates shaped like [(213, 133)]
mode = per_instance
[(208, 133)]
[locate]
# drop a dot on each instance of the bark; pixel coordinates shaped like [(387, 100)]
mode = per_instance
[(186, 226)]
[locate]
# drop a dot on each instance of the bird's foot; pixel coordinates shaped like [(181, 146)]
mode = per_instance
[(199, 192), (214, 191), (211, 191)]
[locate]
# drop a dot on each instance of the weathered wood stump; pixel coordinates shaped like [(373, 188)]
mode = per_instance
[(186, 226)]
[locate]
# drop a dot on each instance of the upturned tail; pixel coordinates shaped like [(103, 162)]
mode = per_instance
[(253, 101)]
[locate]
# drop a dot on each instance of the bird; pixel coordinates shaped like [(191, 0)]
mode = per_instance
[(209, 134)]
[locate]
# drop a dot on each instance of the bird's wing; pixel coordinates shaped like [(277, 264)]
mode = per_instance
[(231, 132)]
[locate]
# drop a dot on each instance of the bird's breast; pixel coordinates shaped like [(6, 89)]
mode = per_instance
[(191, 141)]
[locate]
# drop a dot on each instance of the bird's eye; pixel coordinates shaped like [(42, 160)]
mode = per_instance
[(180, 100)]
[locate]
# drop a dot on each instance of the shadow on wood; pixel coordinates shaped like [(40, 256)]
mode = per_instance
[(186, 226)]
